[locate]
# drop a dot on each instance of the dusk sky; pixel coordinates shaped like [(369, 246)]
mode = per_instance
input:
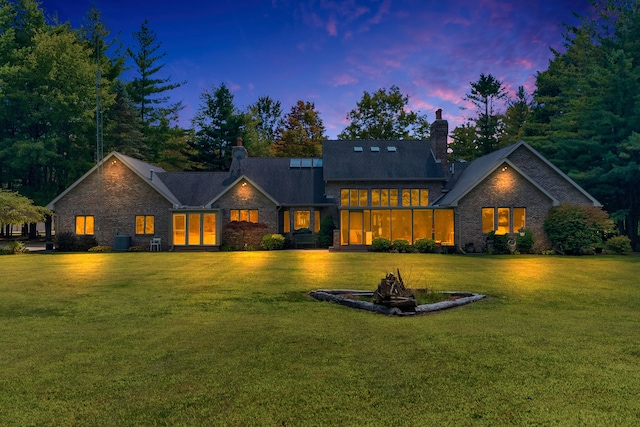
[(331, 52)]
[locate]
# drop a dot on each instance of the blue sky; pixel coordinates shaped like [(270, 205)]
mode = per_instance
[(331, 52)]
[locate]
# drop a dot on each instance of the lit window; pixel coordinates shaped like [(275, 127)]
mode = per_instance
[(85, 224), (519, 215), (424, 197), (406, 197), (363, 196), (344, 197), (415, 197), (393, 197), (287, 222), (384, 197), (375, 197), (353, 197), (194, 229), (301, 219), (316, 221), (488, 222), (247, 215), (503, 221), (144, 224)]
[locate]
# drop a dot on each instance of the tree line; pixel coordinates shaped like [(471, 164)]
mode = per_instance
[(59, 83)]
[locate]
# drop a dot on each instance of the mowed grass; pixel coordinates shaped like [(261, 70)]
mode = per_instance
[(128, 339)]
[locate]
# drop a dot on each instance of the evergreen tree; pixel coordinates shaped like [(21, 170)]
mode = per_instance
[(484, 94), (300, 132), (588, 110), (149, 92), (217, 125), (516, 118)]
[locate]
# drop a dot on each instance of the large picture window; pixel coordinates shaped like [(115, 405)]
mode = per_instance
[(85, 224), (248, 215), (503, 220), (145, 224), (301, 219)]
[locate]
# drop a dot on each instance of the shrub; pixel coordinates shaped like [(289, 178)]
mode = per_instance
[(426, 246), (272, 242), (402, 246), (14, 248), (381, 244), (100, 249), (620, 245), (571, 228), (524, 244), (325, 235), (498, 243), (137, 248), (86, 242), (66, 242)]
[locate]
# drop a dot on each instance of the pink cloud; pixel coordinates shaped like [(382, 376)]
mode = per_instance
[(343, 80), (332, 27)]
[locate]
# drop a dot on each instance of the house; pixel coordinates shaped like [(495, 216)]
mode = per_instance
[(394, 189)]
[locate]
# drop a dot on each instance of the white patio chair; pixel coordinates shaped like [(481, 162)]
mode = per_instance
[(155, 244)]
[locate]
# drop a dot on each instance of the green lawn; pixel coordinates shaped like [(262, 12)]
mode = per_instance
[(232, 339)]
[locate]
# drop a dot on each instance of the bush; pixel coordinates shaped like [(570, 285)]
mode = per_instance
[(325, 235), (498, 243), (272, 242), (571, 228), (14, 248), (402, 246), (137, 248), (100, 249), (66, 242), (426, 246), (620, 245), (524, 244), (86, 242), (381, 244)]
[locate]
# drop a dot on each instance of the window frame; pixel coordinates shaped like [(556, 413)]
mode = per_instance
[(145, 225), (84, 225)]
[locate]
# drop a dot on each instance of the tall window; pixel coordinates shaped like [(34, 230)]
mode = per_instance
[(145, 224), (503, 220), (85, 224), (316, 221), (248, 215), (287, 222), (194, 229), (301, 219)]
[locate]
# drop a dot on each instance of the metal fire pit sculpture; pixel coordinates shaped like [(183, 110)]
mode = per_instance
[(392, 293)]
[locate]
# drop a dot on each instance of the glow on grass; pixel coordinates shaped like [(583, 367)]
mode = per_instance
[(89, 267), (526, 274)]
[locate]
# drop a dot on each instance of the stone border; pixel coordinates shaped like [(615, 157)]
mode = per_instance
[(335, 295)]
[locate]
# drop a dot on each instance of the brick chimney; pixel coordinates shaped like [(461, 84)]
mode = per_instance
[(439, 131), (239, 152)]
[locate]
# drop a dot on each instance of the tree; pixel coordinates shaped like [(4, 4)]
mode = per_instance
[(385, 116), (46, 117), (262, 118), (484, 94), (463, 143), (123, 128), (588, 112), (516, 118), (17, 209), (149, 92), (300, 132), (217, 125)]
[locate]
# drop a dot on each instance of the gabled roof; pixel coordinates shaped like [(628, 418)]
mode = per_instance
[(380, 161), (476, 171), (274, 177), (144, 170)]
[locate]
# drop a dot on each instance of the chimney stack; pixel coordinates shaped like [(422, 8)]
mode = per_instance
[(239, 152), (439, 131)]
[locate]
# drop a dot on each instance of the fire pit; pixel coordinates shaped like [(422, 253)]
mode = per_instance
[(392, 298)]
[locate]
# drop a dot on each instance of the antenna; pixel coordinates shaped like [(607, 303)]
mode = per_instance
[(99, 137)]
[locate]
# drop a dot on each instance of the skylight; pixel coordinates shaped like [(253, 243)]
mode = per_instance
[(375, 149), (391, 149), (357, 149)]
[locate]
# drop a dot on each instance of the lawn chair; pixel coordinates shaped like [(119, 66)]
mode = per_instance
[(155, 244)]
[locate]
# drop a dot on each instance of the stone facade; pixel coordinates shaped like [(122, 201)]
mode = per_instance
[(245, 195)]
